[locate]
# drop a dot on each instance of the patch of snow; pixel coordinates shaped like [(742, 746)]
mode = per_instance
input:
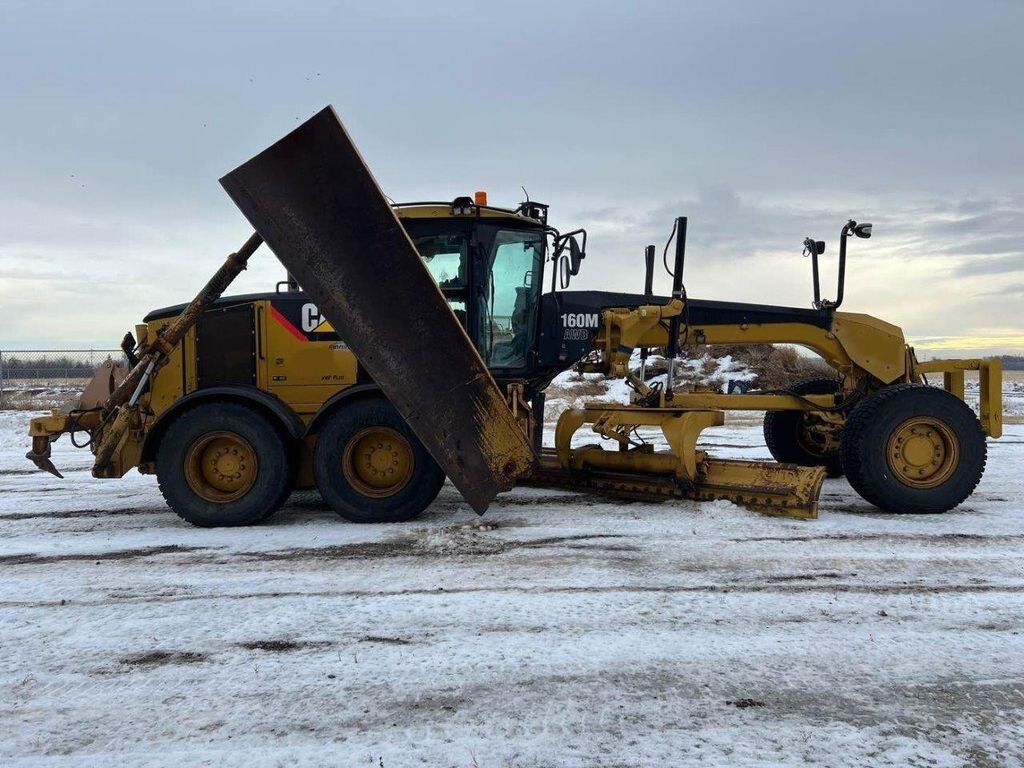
[(571, 389)]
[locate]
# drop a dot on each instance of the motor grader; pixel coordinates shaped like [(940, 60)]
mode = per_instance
[(414, 341)]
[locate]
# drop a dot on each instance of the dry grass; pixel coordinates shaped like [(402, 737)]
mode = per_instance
[(36, 395), (579, 385), (784, 365)]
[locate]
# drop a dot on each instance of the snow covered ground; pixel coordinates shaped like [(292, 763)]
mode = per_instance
[(560, 629)]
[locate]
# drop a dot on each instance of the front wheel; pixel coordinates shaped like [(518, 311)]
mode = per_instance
[(806, 437), (370, 466), (911, 448), (223, 464)]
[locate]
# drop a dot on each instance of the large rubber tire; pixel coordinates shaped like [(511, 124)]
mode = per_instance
[(180, 452), (337, 458), (881, 424), (785, 431)]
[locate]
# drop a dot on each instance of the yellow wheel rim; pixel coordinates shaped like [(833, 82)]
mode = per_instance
[(221, 467), (378, 462), (922, 452)]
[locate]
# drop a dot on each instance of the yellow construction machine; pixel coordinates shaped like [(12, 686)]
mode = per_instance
[(420, 345)]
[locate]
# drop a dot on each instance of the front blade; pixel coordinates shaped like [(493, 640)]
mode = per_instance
[(317, 206), (764, 486), (784, 490)]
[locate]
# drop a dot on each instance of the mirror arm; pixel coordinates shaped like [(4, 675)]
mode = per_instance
[(843, 237), (557, 246)]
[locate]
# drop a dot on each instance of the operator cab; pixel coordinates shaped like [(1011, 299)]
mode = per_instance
[(489, 264)]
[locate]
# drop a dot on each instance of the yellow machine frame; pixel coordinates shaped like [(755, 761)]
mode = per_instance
[(306, 377)]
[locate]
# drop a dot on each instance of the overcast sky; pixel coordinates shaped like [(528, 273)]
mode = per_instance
[(762, 122)]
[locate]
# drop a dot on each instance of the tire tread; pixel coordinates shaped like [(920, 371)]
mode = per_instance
[(858, 466), (187, 426), (421, 490)]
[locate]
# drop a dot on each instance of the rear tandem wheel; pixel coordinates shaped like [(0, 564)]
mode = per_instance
[(223, 464), (370, 466)]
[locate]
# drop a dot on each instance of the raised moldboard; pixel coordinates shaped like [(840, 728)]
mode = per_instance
[(316, 204)]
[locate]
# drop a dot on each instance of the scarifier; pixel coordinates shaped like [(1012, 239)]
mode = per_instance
[(420, 345)]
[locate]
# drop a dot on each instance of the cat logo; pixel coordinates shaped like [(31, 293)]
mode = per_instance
[(312, 322), (304, 322)]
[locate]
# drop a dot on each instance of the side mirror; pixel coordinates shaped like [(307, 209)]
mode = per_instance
[(862, 230), (568, 264), (564, 270), (813, 247), (576, 256)]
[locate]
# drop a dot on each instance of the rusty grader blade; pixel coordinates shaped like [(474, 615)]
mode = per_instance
[(317, 206), (772, 488)]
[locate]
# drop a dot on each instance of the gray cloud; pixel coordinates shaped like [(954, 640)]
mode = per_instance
[(996, 266), (620, 115), (988, 242), (1007, 290), (721, 223)]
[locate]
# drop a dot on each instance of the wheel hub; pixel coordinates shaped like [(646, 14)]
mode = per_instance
[(922, 452), (818, 436), (378, 462), (221, 467)]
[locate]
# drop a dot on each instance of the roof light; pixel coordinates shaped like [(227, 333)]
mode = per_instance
[(480, 197), (463, 206)]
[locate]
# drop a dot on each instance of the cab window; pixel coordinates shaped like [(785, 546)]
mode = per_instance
[(445, 257), (509, 311)]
